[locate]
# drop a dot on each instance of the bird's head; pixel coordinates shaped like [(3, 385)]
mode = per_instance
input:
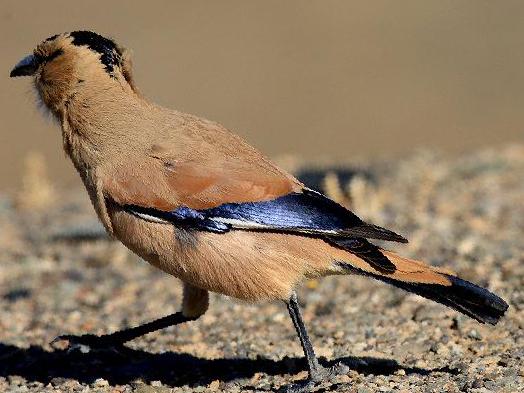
[(66, 63)]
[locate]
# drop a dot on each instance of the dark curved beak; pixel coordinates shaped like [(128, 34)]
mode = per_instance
[(26, 67)]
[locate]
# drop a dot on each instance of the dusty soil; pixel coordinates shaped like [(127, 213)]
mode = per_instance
[(60, 274)]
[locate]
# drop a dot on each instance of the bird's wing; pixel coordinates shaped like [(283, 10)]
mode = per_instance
[(241, 203), (229, 185), (306, 212)]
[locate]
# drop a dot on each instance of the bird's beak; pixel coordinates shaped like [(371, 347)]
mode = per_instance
[(26, 67)]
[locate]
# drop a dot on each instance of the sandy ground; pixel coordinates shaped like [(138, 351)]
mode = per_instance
[(59, 274)]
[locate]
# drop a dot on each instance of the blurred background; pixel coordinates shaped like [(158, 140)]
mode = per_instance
[(316, 79)]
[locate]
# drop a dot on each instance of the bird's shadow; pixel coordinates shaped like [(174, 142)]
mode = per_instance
[(172, 369)]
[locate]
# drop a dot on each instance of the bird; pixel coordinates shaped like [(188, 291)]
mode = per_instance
[(198, 202)]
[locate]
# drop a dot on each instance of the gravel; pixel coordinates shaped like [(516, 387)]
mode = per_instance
[(60, 274)]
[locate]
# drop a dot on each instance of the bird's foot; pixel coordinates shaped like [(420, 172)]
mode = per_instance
[(318, 375), (87, 343), (328, 373)]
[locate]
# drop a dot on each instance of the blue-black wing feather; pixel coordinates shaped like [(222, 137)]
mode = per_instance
[(183, 216), (306, 212)]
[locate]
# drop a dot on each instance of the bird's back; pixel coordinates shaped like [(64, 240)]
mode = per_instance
[(192, 162)]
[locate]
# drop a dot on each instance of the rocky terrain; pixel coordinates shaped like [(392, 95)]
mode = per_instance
[(60, 274)]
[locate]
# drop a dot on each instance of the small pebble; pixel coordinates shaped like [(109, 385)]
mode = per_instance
[(100, 382)]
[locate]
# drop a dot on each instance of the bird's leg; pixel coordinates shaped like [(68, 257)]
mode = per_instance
[(195, 303), (317, 373), (87, 342)]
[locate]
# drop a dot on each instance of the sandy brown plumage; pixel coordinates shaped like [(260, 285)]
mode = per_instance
[(198, 202)]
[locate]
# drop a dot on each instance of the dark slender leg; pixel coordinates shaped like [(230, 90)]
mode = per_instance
[(120, 337), (309, 352), (317, 373)]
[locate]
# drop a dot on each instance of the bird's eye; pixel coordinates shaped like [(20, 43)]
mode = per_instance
[(54, 55), (43, 59)]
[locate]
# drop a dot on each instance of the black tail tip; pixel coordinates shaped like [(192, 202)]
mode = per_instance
[(477, 302), (463, 296)]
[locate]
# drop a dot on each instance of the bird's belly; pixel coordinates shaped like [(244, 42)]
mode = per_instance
[(251, 266)]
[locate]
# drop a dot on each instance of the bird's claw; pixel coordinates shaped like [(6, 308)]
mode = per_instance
[(85, 343), (328, 373), (321, 374)]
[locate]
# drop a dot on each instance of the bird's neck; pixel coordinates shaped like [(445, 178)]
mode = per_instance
[(96, 118)]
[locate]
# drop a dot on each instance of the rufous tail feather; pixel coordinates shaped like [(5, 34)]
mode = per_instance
[(435, 284)]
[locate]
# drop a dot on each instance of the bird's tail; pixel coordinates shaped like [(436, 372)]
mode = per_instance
[(435, 284)]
